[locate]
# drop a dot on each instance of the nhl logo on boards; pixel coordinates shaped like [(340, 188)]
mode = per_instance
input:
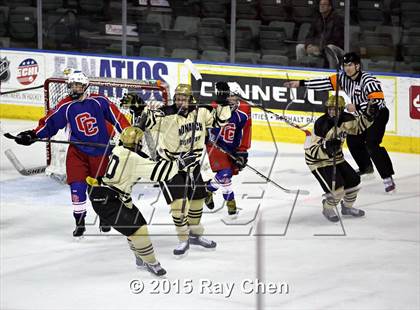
[(4, 69), (27, 71)]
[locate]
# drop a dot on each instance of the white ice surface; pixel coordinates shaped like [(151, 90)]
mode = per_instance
[(374, 266)]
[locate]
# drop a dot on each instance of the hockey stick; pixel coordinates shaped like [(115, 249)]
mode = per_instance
[(197, 76), (334, 173), (286, 190), (285, 119), (19, 90), (20, 168), (93, 144)]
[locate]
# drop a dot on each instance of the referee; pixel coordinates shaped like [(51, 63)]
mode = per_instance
[(361, 87)]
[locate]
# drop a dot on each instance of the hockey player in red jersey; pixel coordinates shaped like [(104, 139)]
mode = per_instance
[(87, 117), (235, 138)]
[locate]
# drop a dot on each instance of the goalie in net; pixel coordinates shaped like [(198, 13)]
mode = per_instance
[(89, 118)]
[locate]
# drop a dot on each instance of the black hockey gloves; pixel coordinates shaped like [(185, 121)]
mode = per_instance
[(133, 102), (241, 159), (186, 160), (222, 92), (372, 111), (26, 137), (332, 146)]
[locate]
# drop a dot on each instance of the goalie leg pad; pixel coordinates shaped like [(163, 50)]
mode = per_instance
[(113, 211)]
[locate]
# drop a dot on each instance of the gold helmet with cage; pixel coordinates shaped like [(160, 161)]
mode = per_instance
[(183, 89), (131, 138), (330, 105), (331, 102), (183, 97)]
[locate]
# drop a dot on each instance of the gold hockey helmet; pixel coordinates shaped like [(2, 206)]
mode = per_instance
[(131, 137), (183, 89), (331, 102)]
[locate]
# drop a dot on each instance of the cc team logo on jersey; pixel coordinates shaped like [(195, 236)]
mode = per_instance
[(87, 124), (228, 133)]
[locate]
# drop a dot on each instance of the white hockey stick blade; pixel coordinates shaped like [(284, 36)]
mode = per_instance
[(300, 191), (188, 63), (20, 168)]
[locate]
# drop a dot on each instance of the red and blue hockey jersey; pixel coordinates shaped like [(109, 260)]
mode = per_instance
[(236, 134), (88, 120)]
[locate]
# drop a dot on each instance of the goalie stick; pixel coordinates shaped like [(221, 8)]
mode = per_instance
[(286, 190), (20, 168)]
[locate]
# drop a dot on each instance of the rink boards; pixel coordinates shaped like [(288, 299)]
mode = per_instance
[(261, 85)]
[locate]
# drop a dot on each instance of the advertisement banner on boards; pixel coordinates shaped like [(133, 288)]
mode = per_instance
[(29, 69), (267, 92)]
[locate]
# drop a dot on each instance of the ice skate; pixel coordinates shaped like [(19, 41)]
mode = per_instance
[(80, 228), (389, 185), (232, 210), (201, 241), (209, 200), (351, 211), (79, 231), (155, 268), (367, 174), (182, 248), (139, 263), (330, 214)]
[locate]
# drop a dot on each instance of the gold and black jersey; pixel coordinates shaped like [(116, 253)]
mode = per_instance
[(175, 130), (315, 153), (126, 167)]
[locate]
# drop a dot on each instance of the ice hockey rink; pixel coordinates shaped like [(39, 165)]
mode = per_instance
[(304, 261)]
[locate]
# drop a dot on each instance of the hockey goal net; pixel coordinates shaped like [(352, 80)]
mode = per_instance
[(154, 92)]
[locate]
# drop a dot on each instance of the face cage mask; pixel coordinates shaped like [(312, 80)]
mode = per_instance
[(73, 95)]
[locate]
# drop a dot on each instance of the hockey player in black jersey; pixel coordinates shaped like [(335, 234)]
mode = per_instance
[(319, 155), (362, 88)]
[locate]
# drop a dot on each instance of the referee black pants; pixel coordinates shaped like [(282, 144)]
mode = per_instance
[(367, 146)]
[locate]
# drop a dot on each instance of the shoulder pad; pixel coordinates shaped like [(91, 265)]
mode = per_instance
[(345, 117), (169, 109), (209, 107), (142, 154), (323, 125)]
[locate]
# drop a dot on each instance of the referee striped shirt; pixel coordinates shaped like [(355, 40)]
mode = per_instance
[(364, 88)]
